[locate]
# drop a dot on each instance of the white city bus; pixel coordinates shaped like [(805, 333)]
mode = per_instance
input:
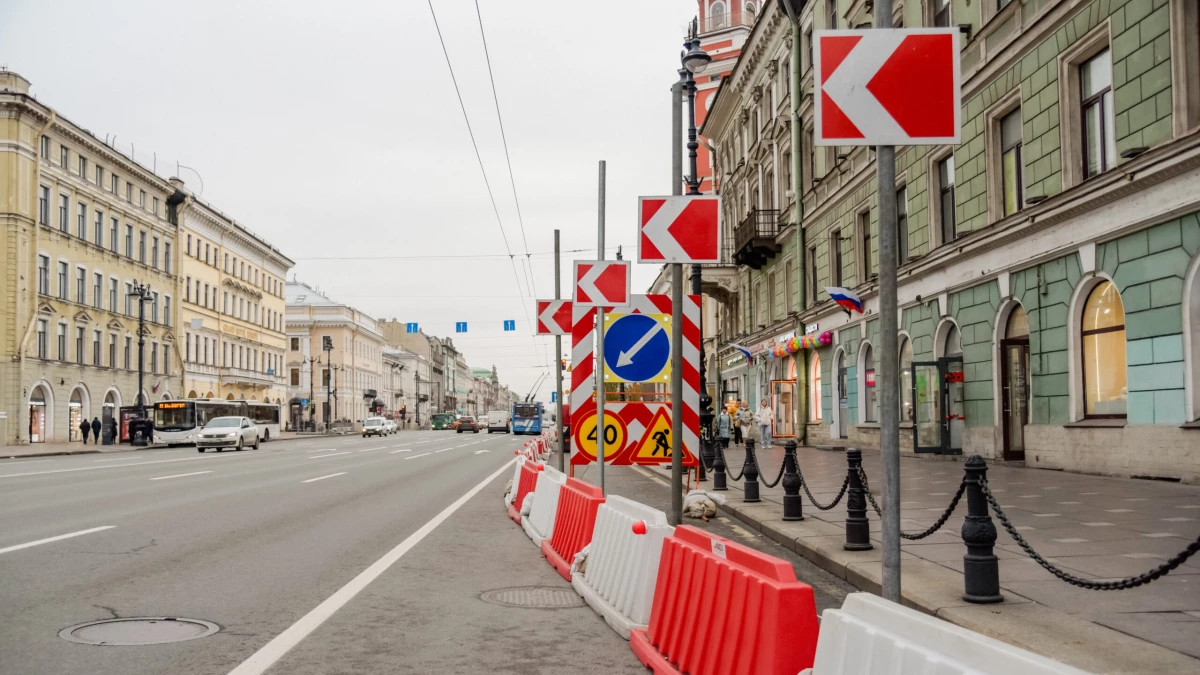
[(266, 418), (177, 422)]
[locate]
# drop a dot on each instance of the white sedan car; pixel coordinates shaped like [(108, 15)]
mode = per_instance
[(391, 426), (228, 432)]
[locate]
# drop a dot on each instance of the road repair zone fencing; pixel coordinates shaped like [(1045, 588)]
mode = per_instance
[(692, 602)]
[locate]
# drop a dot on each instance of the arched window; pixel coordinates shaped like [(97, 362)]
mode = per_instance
[(953, 344), (870, 398), (1018, 324), (1103, 333), (906, 383), (814, 394), (750, 12)]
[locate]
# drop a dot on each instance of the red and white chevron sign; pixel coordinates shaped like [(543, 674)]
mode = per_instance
[(602, 282), (888, 87), (636, 415), (680, 229), (553, 317)]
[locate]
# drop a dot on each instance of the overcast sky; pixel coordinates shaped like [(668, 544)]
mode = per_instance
[(332, 130)]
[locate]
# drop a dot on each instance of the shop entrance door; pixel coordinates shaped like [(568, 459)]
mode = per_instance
[(1014, 376), (940, 418), (843, 402)]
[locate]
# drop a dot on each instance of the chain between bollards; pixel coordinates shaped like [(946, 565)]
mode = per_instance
[(858, 528)]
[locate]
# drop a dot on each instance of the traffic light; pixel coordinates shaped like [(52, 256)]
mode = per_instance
[(327, 343), (403, 411)]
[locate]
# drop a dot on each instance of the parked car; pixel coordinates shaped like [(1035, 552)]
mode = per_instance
[(374, 426), (468, 423), (391, 425), (228, 432), (497, 420)]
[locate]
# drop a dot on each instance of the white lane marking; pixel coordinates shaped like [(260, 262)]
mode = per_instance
[(181, 475), (423, 454), (332, 475), (116, 459), (370, 449), (36, 461), (480, 451), (322, 450), (114, 466), (271, 652), (443, 449), (60, 537), (404, 450), (330, 455)]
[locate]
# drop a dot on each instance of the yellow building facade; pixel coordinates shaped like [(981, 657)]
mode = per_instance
[(81, 225), (233, 287)]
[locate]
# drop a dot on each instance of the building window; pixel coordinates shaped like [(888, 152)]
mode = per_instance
[(1104, 383), (814, 391), (835, 258), (187, 347), (44, 274), (189, 244), (113, 229), (128, 349), (167, 257), (833, 17), (81, 285), (142, 198), (112, 296), (1099, 136), (128, 241), (154, 253), (63, 156), (112, 350), (205, 293), (96, 341), (812, 274), (81, 222), (154, 357), (187, 290), (63, 291), (295, 377), (870, 400), (79, 344), (155, 202), (64, 211), (207, 257), (98, 290), (83, 167), (864, 233), (41, 338), (44, 205), (225, 302), (906, 381), (295, 344), (128, 299), (45, 147), (945, 171), (114, 181), (941, 13), (902, 225), (1010, 163), (142, 247), (62, 342), (167, 310), (99, 176), (154, 307), (129, 193)]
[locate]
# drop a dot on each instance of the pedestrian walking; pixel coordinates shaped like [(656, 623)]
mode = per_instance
[(745, 419), (732, 409), (724, 427), (96, 429), (85, 427), (764, 419)]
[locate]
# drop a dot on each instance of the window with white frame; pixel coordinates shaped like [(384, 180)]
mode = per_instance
[(1096, 106)]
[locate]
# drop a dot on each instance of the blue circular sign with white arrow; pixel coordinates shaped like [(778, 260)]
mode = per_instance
[(637, 347)]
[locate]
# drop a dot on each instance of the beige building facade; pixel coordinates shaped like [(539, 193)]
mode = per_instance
[(81, 224), (233, 309)]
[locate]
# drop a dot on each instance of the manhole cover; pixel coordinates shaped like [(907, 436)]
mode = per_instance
[(541, 597), (138, 631)]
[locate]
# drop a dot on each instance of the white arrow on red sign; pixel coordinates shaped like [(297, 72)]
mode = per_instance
[(553, 317), (680, 229), (888, 87), (602, 283)]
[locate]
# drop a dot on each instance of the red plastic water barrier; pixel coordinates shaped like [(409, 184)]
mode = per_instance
[(529, 472), (573, 524), (721, 608)]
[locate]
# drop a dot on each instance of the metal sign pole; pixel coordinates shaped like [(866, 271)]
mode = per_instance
[(676, 314), (558, 369), (599, 369), (888, 386)]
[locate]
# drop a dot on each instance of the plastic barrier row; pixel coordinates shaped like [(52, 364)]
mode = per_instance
[(692, 602)]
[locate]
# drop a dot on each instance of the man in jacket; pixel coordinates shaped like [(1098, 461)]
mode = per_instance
[(764, 417), (96, 429), (85, 427)]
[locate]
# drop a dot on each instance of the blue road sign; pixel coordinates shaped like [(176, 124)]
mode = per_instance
[(411, 327), (510, 325), (637, 348), (460, 327), (554, 397), (303, 401)]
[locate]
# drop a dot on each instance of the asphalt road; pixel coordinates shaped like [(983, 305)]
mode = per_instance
[(345, 555)]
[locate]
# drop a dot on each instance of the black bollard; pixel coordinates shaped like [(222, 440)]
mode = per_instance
[(751, 471), (981, 567), (793, 508), (719, 470), (858, 528)]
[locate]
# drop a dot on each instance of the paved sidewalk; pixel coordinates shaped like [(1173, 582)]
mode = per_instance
[(1091, 526)]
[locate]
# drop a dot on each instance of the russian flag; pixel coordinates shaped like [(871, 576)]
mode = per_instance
[(743, 351), (846, 299)]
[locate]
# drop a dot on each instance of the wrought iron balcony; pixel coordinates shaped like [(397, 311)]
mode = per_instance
[(754, 239)]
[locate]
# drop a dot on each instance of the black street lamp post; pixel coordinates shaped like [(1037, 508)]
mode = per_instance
[(310, 361), (142, 291)]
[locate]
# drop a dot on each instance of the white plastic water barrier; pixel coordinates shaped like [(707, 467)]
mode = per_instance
[(540, 523), (516, 480), (873, 636), (622, 566)]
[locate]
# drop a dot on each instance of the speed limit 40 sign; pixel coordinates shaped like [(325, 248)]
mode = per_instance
[(616, 434)]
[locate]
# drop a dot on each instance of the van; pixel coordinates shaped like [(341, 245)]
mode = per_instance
[(497, 420)]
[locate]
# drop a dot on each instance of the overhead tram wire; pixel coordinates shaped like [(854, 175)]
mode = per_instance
[(507, 159), (479, 158)]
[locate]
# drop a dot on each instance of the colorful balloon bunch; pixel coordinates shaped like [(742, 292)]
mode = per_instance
[(803, 342)]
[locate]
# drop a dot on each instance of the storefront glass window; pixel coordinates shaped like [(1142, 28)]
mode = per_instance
[(906, 381), (814, 395), (870, 400), (1103, 335)]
